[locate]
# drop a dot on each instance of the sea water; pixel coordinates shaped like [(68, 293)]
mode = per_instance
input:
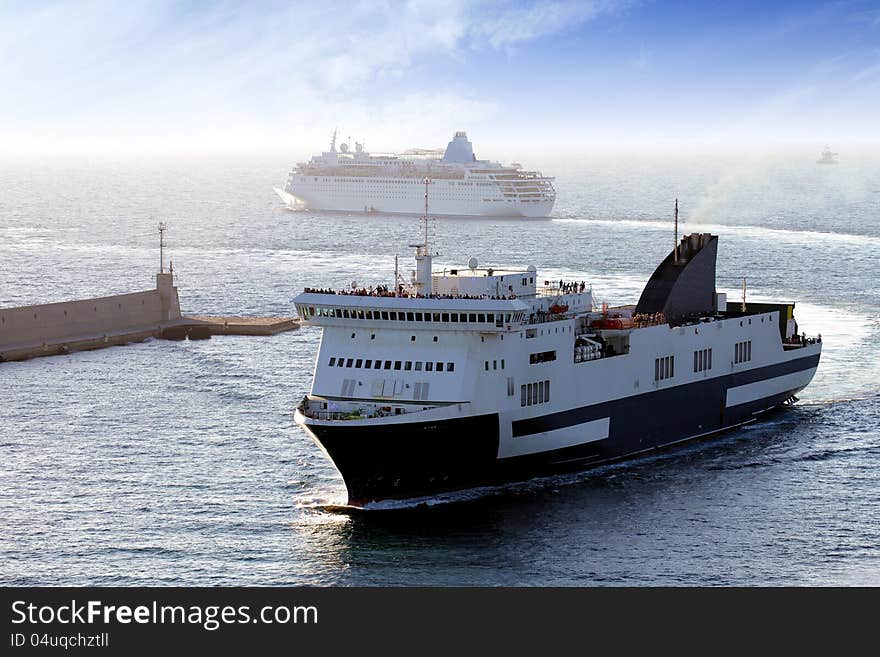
[(178, 463)]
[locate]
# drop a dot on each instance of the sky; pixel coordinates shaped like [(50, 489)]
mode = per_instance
[(208, 77)]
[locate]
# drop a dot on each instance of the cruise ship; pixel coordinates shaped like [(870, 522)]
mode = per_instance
[(478, 376), (461, 185)]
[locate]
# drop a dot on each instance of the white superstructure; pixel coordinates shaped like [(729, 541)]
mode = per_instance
[(358, 181)]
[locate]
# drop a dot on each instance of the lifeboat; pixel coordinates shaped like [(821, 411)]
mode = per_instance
[(613, 323), (557, 308)]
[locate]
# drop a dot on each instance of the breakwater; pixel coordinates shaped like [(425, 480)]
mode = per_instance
[(67, 326)]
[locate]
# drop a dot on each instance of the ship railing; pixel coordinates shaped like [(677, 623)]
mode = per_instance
[(345, 415), (356, 411), (385, 293), (800, 341), (554, 289), (543, 317), (642, 320), (372, 171)]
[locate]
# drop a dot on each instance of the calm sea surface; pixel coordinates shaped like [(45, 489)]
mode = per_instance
[(179, 463)]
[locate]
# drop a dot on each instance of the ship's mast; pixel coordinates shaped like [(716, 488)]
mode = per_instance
[(675, 248), (427, 182), (333, 141), (422, 279)]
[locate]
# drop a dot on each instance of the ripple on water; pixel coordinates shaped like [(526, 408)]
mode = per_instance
[(178, 463)]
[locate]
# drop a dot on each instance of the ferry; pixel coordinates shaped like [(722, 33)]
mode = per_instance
[(474, 376), (343, 180), (827, 157)]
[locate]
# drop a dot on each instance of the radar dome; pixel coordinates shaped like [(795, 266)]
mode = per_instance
[(532, 268), (343, 147), (472, 263)]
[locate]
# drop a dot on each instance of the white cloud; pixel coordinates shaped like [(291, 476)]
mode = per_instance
[(426, 119), (109, 74), (867, 75), (515, 24)]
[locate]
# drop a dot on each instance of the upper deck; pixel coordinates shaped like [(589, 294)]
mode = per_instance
[(457, 162), (393, 168), (460, 299), (327, 308)]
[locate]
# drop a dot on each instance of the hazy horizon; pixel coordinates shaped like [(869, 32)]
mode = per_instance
[(523, 78)]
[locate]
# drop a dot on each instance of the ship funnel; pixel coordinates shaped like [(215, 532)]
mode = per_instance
[(459, 150), (686, 288)]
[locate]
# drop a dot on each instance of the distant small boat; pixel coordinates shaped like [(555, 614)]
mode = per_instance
[(827, 157)]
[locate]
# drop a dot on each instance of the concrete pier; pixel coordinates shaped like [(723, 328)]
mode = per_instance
[(61, 328), (24, 351), (246, 325)]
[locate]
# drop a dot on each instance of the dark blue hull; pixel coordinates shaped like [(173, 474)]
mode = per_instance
[(395, 461)]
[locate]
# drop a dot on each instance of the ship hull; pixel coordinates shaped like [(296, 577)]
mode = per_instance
[(415, 459), (412, 202)]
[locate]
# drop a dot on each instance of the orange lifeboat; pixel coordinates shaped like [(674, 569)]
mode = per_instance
[(617, 323), (557, 308)]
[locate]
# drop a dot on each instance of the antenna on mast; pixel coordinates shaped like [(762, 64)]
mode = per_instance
[(333, 141), (162, 229), (427, 182), (422, 282), (675, 248)]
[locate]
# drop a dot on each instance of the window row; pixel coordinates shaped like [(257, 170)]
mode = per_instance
[(386, 181), (494, 364), (534, 393), (742, 353), (542, 357), (381, 181), (664, 368), (308, 312), (702, 360), (405, 365)]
